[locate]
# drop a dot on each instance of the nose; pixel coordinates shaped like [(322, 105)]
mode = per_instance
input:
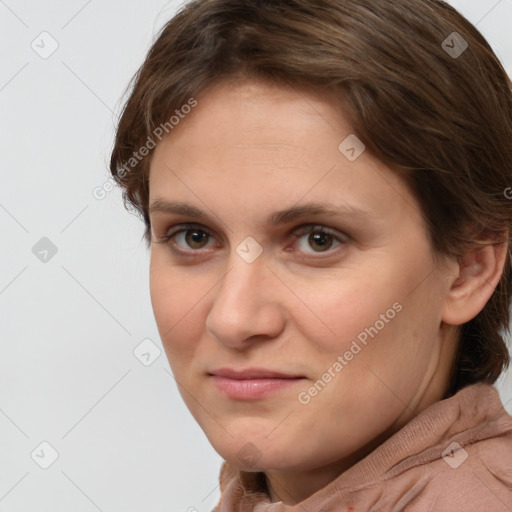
[(246, 305)]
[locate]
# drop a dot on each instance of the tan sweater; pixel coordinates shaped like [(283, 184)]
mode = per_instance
[(455, 456)]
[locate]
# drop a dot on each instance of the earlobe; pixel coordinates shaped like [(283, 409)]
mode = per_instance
[(479, 273)]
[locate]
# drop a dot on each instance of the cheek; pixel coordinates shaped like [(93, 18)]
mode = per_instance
[(176, 302), (381, 315), (345, 305), (396, 344)]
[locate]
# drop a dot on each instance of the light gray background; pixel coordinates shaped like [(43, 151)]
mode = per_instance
[(68, 327)]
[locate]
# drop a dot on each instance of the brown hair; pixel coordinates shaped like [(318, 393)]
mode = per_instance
[(435, 111)]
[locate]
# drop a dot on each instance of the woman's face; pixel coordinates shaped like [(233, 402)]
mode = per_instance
[(353, 308)]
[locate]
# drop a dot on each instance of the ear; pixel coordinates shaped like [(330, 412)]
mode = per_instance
[(479, 273)]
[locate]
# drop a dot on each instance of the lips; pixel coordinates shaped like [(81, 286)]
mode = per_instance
[(253, 373), (252, 383)]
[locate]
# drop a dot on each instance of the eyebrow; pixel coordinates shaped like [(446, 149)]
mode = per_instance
[(275, 219)]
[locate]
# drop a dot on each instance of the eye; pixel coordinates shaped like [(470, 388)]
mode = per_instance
[(192, 236), (319, 238)]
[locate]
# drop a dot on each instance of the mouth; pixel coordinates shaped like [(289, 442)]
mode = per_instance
[(252, 383)]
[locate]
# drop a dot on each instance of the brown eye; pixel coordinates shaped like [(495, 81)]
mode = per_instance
[(321, 240), (196, 238), (186, 238)]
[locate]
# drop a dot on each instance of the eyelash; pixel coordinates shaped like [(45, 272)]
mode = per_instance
[(305, 229)]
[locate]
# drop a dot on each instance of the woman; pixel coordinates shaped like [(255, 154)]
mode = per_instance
[(323, 185)]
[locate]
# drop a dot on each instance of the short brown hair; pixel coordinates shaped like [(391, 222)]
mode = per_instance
[(435, 111)]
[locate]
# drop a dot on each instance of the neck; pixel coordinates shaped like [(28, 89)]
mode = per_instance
[(292, 487)]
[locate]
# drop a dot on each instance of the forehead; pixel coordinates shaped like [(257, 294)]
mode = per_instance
[(268, 125), (263, 148)]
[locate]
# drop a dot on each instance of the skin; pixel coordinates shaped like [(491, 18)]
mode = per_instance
[(246, 151)]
